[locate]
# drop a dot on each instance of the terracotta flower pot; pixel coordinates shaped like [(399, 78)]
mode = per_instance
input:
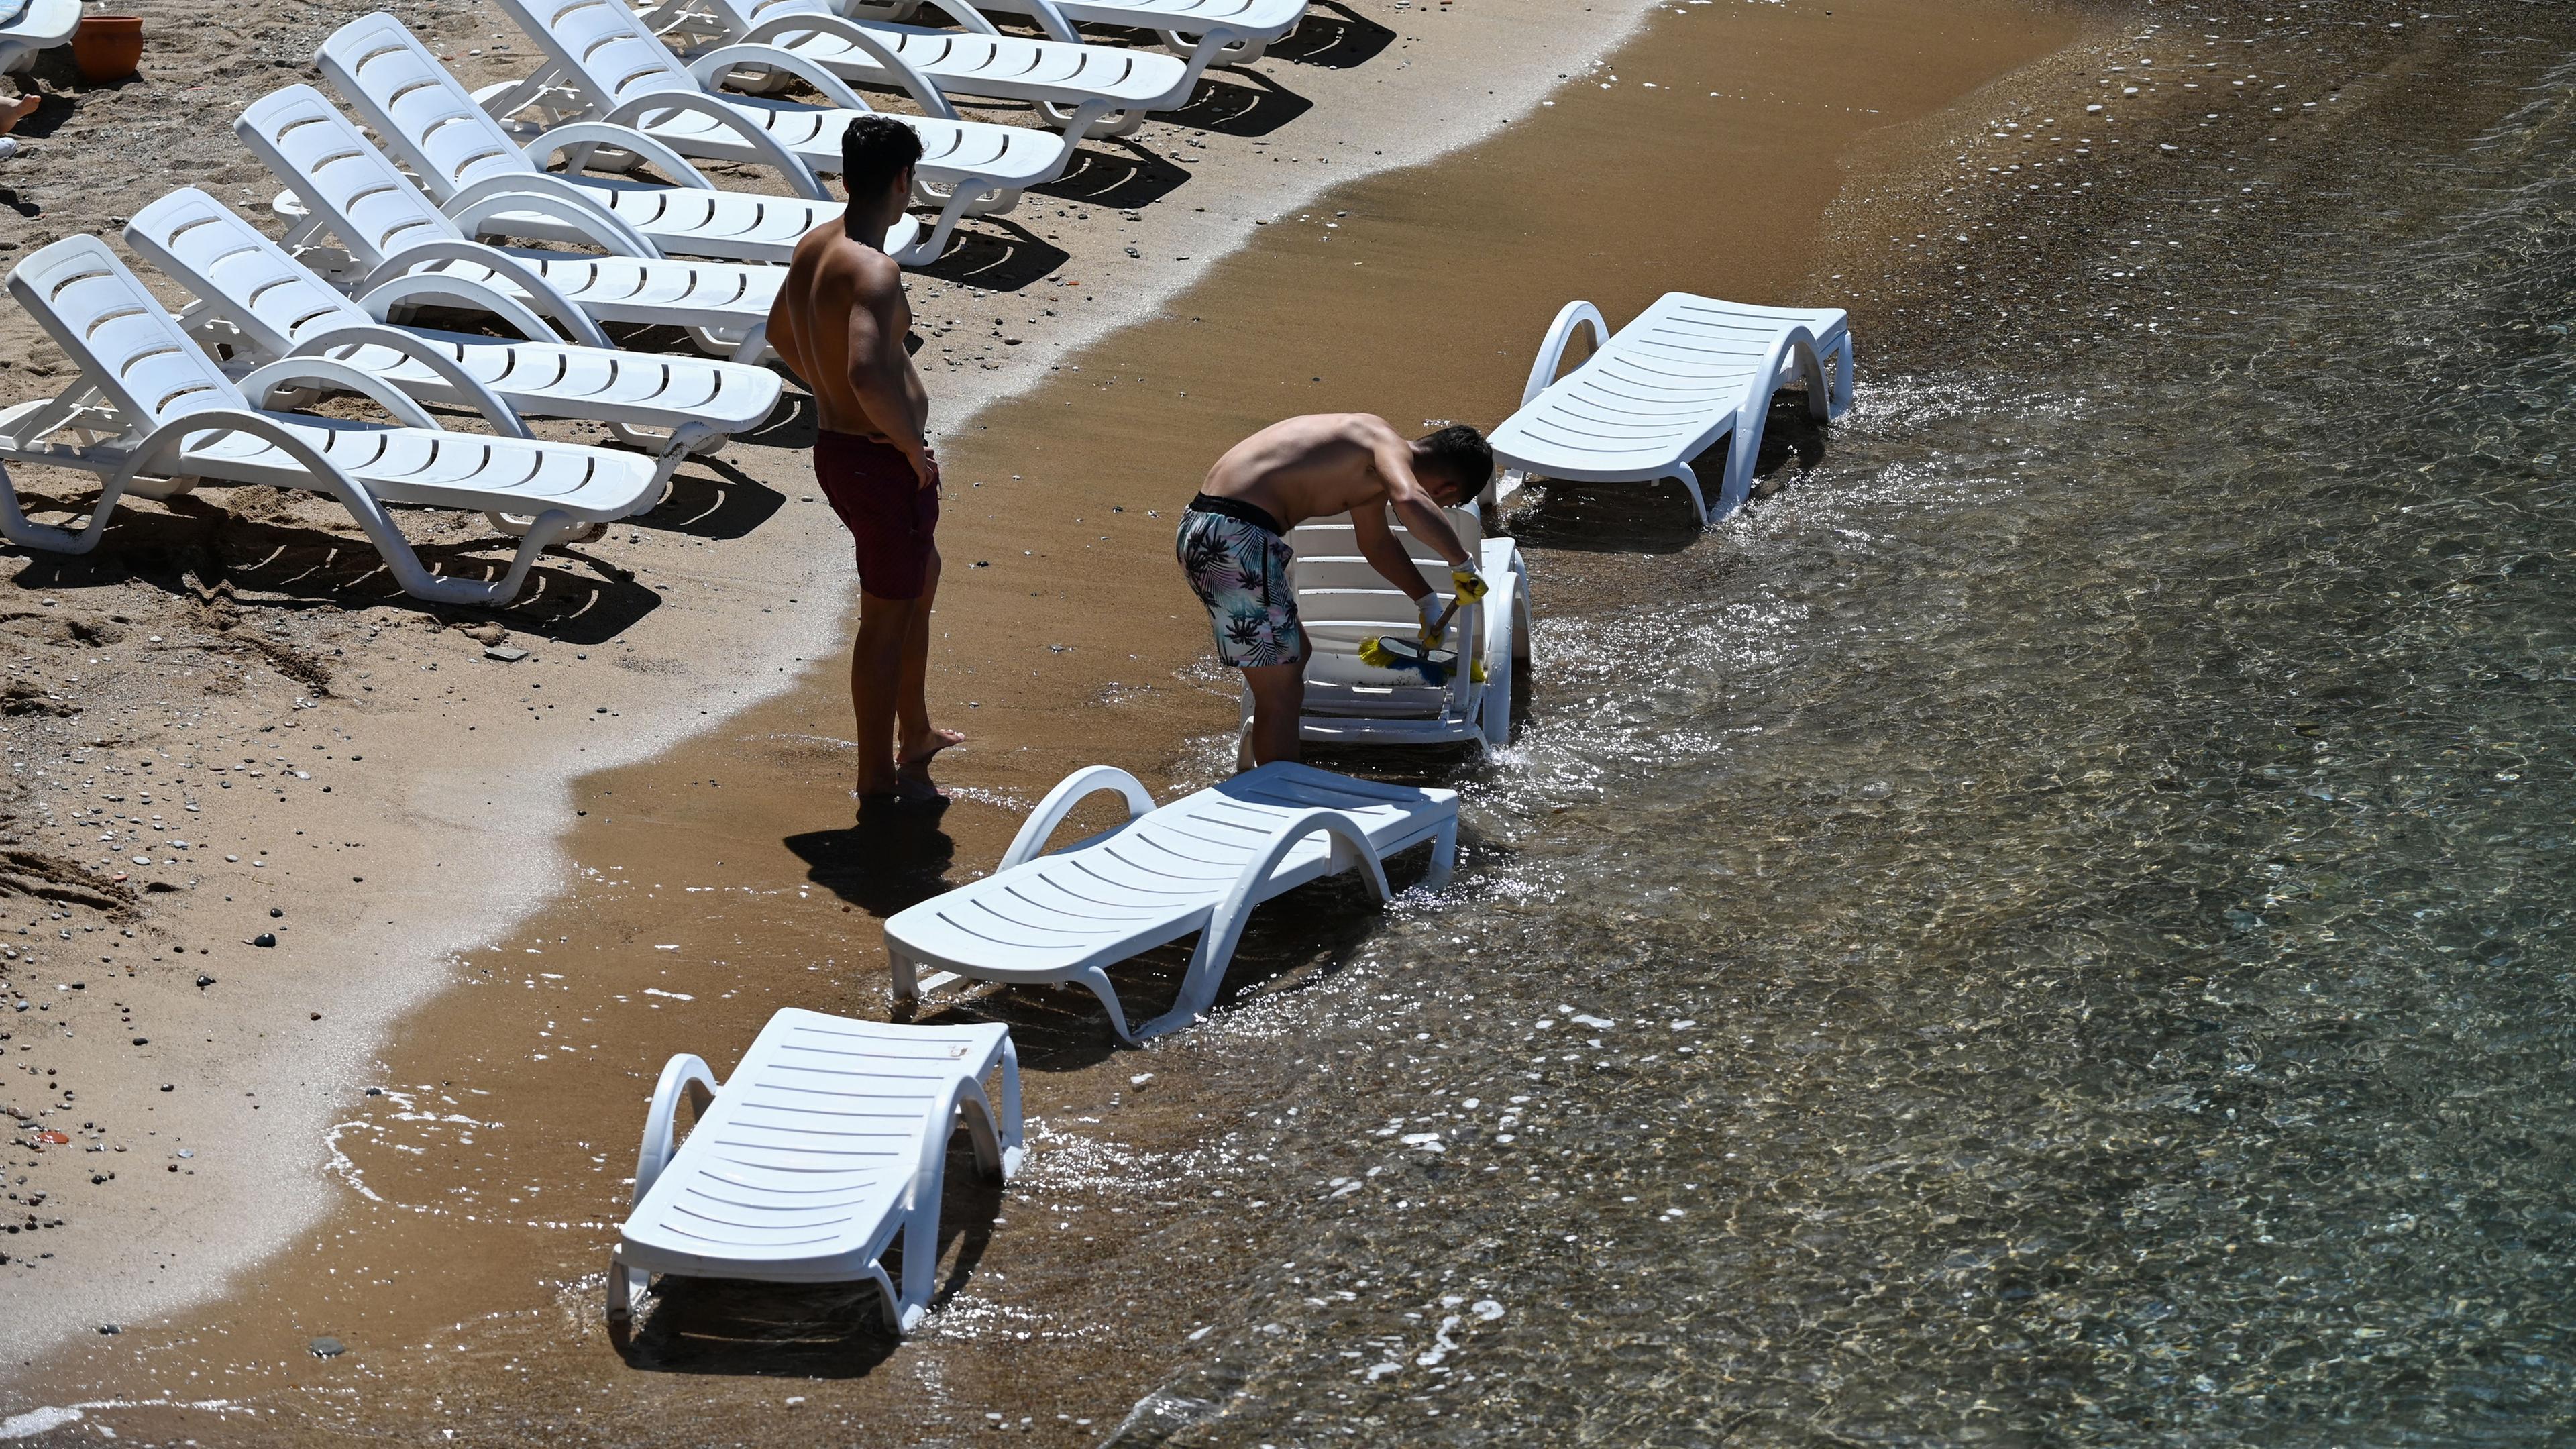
[(107, 47)]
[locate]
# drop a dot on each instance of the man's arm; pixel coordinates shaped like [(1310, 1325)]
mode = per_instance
[(878, 363), (1394, 459), (1377, 545)]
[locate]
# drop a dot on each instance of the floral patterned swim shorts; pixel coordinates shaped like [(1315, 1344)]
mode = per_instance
[(1239, 569)]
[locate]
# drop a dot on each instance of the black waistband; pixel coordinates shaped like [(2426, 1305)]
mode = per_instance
[(1235, 508)]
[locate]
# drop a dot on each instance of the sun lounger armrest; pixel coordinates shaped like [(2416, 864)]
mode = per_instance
[(1551, 353), (457, 292), (577, 324), (576, 211), (967, 16), (682, 1073), (773, 152), (709, 70), (626, 138), (921, 88), (1075, 788), (495, 410), (264, 383), (1049, 19), (1349, 841)]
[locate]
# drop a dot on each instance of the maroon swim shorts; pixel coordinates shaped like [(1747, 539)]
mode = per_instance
[(892, 516)]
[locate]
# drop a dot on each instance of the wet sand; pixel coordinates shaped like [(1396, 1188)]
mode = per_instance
[(724, 879)]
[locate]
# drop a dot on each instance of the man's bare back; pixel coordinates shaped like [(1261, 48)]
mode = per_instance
[(859, 370), (1322, 464)]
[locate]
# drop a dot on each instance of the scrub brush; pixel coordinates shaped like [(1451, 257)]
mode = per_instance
[(1380, 652)]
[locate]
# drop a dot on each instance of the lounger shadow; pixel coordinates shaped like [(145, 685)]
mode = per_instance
[(1120, 173), (713, 499), (1010, 262), (1345, 41), (201, 537), (1246, 103)]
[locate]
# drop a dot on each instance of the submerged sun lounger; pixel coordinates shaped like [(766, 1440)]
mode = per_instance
[(830, 1139), (1685, 373), (1246, 27), (429, 120), (153, 415), (389, 229), (603, 65), (268, 306), (31, 27), (1195, 866), (1057, 74), (1342, 600)]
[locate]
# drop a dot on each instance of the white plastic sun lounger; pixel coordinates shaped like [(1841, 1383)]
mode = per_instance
[(429, 120), (1248, 27), (153, 415), (831, 1138), (349, 191), (605, 66), (267, 306), (1195, 866), (36, 27), (1685, 373), (1058, 74), (1342, 600)]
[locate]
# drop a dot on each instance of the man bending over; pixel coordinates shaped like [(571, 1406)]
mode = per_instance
[(1233, 542), (840, 324)]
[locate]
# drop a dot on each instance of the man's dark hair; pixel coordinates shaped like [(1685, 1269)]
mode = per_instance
[(1460, 452), (873, 152)]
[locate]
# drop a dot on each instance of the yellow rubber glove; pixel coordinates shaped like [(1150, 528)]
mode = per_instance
[(1471, 584), (1429, 607)]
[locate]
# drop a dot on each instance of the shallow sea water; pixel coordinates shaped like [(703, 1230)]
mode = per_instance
[(2054, 929)]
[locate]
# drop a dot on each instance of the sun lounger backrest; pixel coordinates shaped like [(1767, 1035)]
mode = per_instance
[(1328, 556), (372, 208), (603, 44), (420, 112), (249, 279), (122, 337)]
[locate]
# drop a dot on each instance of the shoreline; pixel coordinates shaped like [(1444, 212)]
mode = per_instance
[(976, 821), (483, 849)]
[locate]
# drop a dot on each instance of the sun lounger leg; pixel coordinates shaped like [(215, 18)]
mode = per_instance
[(1226, 922), (1097, 981), (18, 529), (907, 978), (1689, 480), (624, 1286), (1014, 1144), (1842, 390), (927, 250), (1444, 855)]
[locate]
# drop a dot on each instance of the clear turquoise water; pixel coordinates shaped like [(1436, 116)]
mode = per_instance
[(2071, 898)]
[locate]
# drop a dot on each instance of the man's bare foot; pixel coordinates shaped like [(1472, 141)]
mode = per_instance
[(19, 110), (914, 764), (902, 789)]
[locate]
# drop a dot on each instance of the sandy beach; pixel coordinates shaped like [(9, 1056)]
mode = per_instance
[(496, 895)]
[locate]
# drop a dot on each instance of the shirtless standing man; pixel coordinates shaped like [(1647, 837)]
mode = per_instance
[(1233, 542), (840, 324)]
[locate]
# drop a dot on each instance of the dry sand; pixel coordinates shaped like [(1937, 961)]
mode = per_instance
[(720, 880), (226, 724)]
